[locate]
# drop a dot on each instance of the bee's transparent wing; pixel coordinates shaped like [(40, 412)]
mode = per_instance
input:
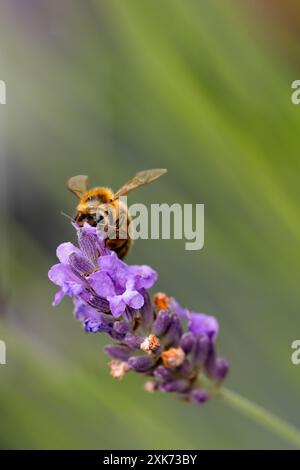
[(78, 185), (141, 178)]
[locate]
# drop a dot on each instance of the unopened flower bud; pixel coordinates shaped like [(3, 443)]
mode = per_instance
[(121, 327), (201, 349), (161, 323), (187, 342), (221, 369), (174, 331), (162, 373), (133, 341), (199, 395), (118, 352), (141, 363), (176, 386)]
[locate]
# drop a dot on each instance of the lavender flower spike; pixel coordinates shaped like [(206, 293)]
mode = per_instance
[(173, 347)]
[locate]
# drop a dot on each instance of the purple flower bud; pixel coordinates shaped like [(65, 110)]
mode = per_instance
[(187, 342), (163, 373), (116, 336), (210, 360), (141, 363), (199, 395), (161, 323), (221, 369), (186, 368), (176, 386), (201, 350), (174, 331), (133, 341), (118, 352), (121, 327), (146, 310)]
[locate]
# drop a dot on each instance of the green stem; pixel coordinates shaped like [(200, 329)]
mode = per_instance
[(262, 416)]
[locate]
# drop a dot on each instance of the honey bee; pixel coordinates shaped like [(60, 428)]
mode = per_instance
[(101, 207)]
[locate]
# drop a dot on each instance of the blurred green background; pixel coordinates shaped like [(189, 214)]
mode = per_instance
[(110, 87)]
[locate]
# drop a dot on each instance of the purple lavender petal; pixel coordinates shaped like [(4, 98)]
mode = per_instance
[(63, 276), (96, 302), (201, 323), (102, 284), (64, 250), (178, 310), (82, 311), (59, 274), (88, 242), (94, 326), (117, 270), (80, 264), (117, 305), (133, 299), (145, 277), (58, 297)]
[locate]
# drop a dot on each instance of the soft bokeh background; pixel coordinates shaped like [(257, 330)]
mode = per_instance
[(109, 87)]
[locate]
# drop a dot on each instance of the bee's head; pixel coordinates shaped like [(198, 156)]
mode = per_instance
[(91, 200)]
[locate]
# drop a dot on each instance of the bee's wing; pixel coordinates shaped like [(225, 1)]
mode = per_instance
[(141, 178), (78, 185)]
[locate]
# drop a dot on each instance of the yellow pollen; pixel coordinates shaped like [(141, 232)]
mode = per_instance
[(150, 386), (150, 344), (118, 368), (161, 300), (173, 357)]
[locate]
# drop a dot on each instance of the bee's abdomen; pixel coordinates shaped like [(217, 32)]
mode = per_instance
[(120, 247)]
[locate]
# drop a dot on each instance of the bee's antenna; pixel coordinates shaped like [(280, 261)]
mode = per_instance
[(68, 216)]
